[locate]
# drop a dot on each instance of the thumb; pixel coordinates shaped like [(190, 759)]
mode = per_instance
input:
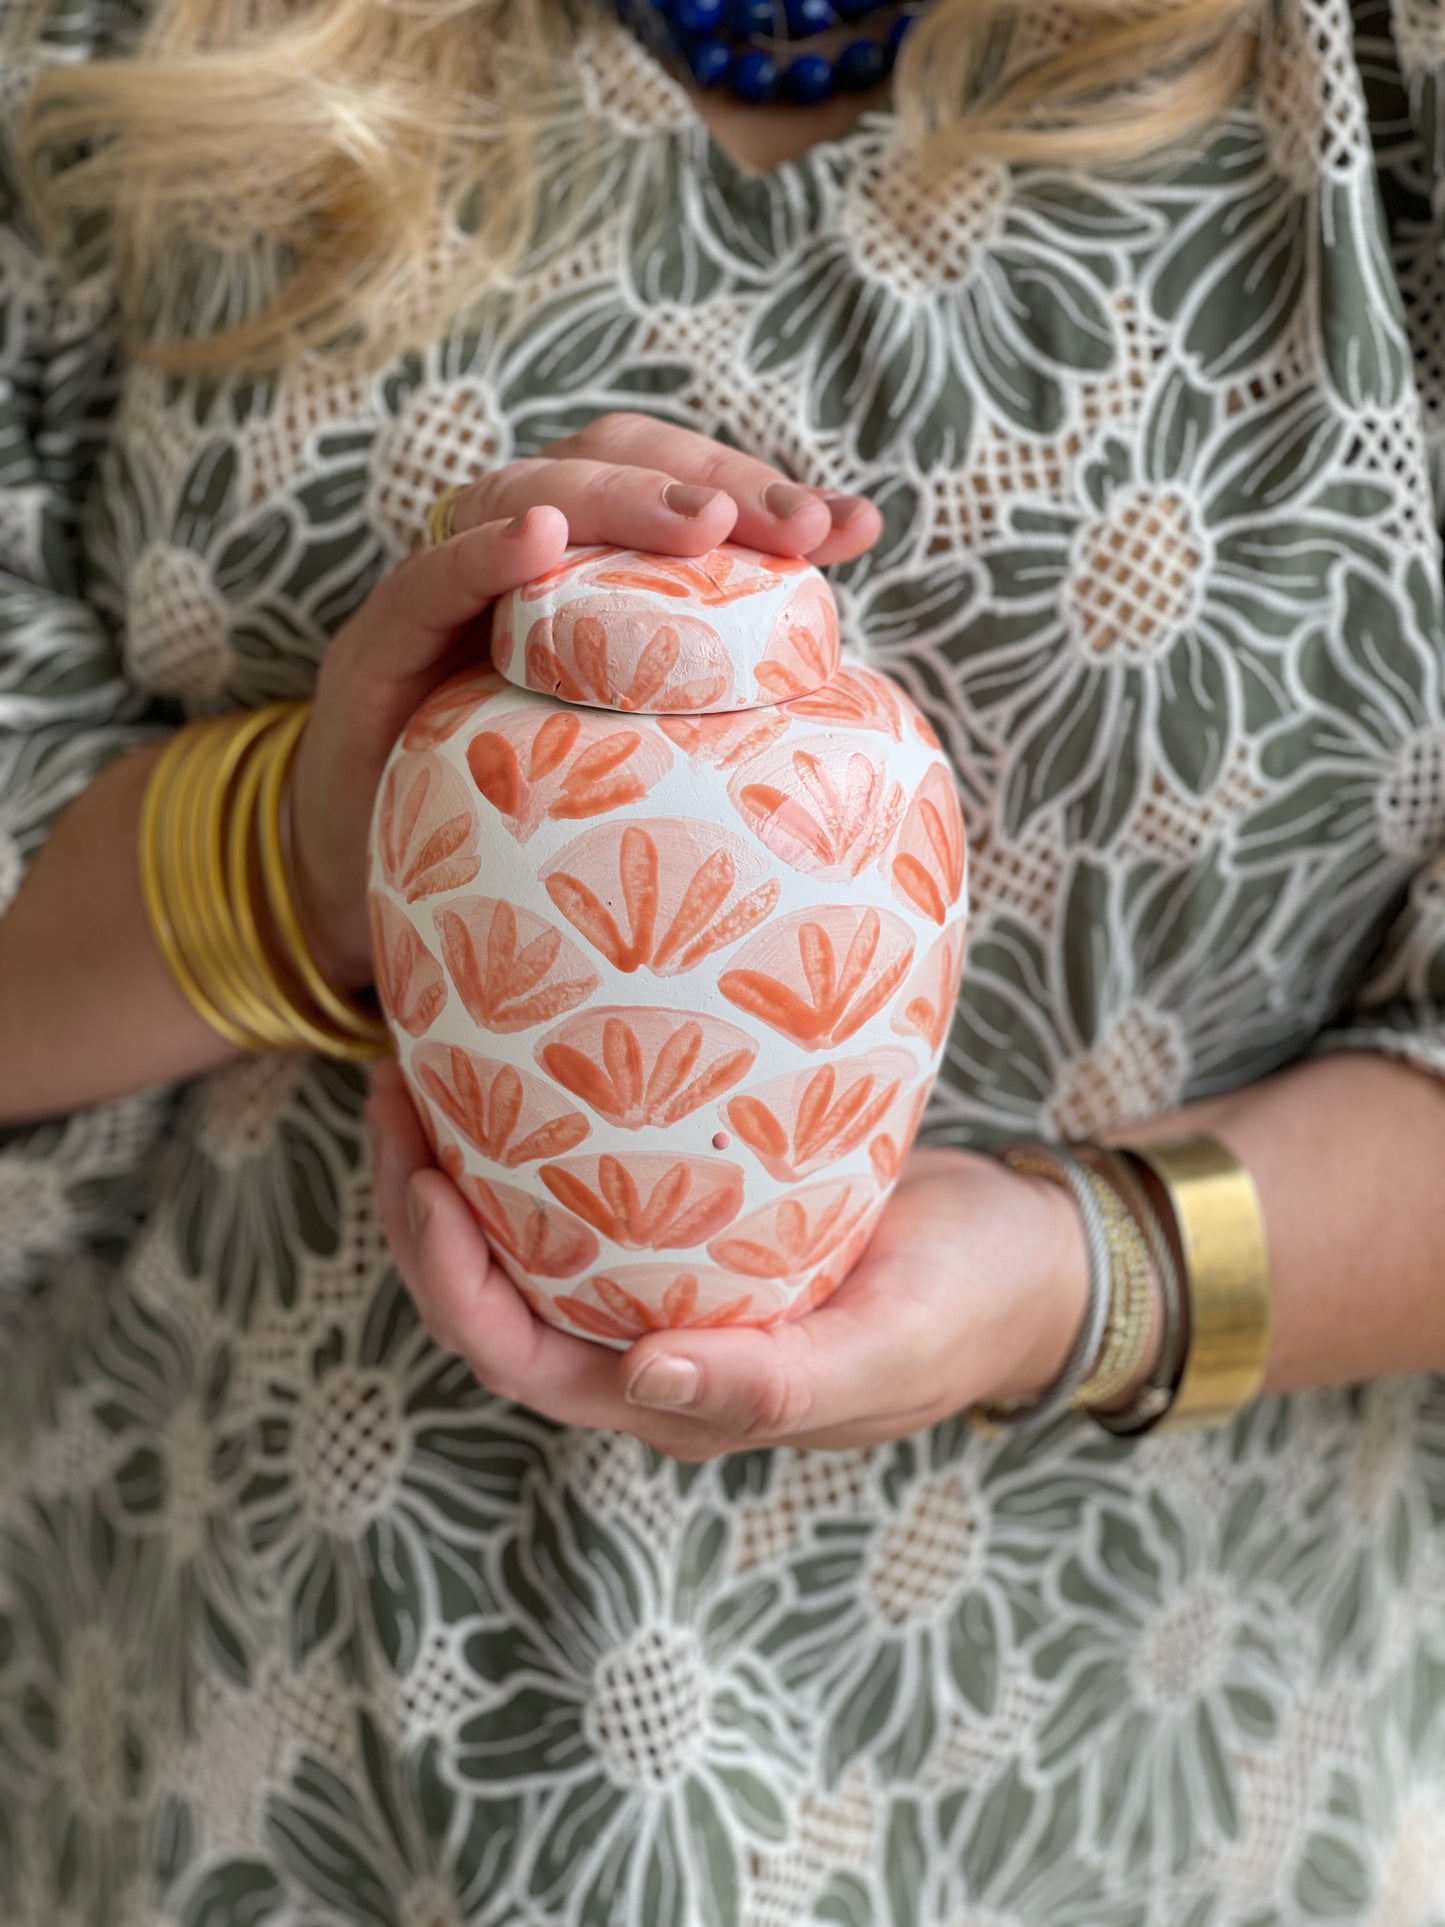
[(747, 1383)]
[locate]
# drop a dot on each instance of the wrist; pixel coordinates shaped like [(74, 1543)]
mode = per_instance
[(346, 965)]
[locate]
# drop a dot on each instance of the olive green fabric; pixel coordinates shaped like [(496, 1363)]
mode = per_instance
[(300, 1625)]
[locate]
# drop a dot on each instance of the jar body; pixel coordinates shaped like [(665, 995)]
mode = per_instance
[(670, 991)]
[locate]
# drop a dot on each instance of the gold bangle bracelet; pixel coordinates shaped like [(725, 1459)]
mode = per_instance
[(158, 909), (1226, 1265), (244, 747), (216, 957), (306, 1032), (200, 836), (239, 852), (354, 1022)]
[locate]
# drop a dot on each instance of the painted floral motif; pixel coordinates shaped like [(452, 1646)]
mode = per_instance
[(819, 975), (727, 739), (802, 650), (888, 1149), (545, 1242), (871, 810), (926, 1002), (636, 1066), (928, 866), (821, 1286), (511, 969), (409, 979), (591, 653), (428, 834), (535, 766), (686, 890), (445, 710), (825, 808), (634, 631), (855, 698), (511, 1117), (807, 1120), (633, 1299), (646, 1202), (797, 1231)]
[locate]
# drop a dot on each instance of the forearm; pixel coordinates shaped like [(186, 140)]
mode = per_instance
[(88, 1006), (1347, 1154)]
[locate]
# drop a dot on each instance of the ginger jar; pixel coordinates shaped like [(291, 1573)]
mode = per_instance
[(668, 908)]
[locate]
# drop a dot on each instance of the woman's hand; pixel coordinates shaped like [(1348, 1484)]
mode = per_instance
[(973, 1288), (625, 479)]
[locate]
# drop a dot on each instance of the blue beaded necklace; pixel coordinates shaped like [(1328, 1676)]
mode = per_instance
[(731, 44)]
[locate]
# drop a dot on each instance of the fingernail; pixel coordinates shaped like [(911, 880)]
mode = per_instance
[(784, 499), (845, 508), (670, 1382), (518, 523), (683, 498), (417, 1211)]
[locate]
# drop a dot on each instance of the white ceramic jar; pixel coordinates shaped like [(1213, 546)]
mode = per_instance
[(668, 909)]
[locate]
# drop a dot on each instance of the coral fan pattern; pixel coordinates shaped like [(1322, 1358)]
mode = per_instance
[(754, 946), (621, 629)]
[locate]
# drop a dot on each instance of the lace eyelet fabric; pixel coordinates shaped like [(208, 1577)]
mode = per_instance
[(298, 1624)]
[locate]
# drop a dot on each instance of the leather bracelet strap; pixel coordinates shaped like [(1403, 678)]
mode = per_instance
[(1221, 1234)]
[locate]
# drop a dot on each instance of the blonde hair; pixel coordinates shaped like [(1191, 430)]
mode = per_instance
[(317, 147)]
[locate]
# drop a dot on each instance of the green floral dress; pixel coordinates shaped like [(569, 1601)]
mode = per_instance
[(300, 1625)]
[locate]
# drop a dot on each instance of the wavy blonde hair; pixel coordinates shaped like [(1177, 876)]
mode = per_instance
[(338, 134)]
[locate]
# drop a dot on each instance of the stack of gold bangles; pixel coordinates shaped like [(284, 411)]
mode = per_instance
[(213, 832), (1175, 1223)]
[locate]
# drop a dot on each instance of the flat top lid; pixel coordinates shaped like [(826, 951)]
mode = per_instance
[(670, 635)]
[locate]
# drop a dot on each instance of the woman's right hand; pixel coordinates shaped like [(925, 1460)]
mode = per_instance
[(625, 479)]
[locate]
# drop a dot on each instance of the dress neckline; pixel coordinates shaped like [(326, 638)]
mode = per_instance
[(833, 149)]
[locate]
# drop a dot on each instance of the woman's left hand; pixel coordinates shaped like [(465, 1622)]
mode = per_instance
[(972, 1288)]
